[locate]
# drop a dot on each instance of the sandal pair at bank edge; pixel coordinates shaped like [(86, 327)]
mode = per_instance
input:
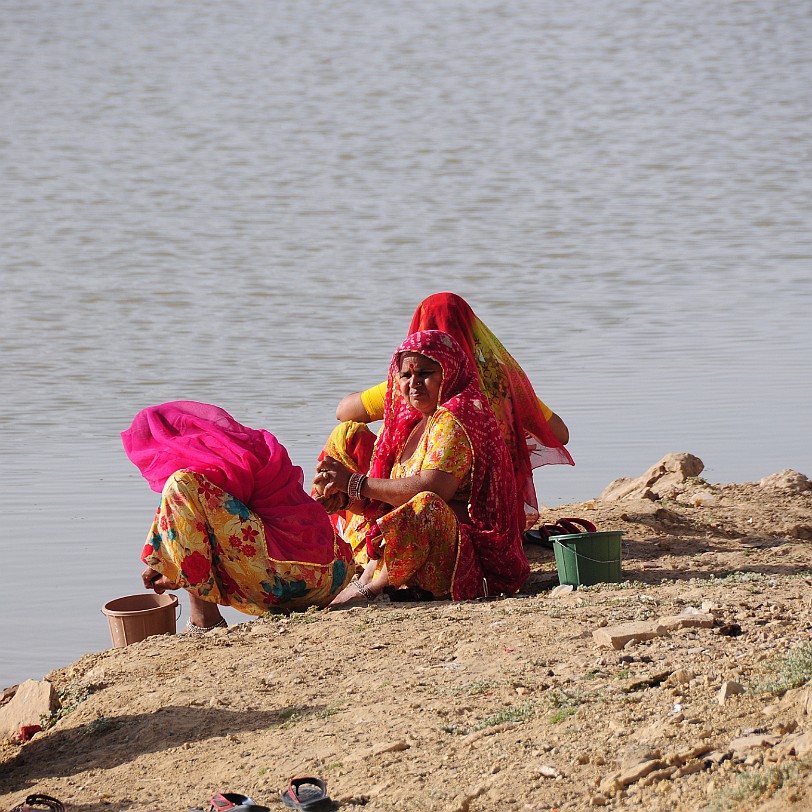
[(304, 792), (544, 534)]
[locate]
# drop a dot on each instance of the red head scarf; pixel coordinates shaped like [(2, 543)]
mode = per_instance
[(509, 391), (491, 557)]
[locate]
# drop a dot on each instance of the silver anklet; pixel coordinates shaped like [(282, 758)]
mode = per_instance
[(198, 631), (365, 591)]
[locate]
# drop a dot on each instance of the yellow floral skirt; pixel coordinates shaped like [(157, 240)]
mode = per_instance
[(213, 546), (419, 543)]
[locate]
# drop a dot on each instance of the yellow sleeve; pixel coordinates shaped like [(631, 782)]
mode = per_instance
[(448, 448), (373, 401), (548, 412)]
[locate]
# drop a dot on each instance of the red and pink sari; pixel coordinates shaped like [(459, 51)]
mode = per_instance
[(424, 545), (516, 406)]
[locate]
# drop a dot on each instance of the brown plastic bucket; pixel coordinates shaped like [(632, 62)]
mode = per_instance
[(136, 617)]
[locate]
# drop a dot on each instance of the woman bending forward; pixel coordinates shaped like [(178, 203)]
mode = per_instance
[(437, 510), (234, 526)]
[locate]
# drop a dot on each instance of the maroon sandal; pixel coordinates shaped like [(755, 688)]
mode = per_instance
[(563, 527), (233, 802)]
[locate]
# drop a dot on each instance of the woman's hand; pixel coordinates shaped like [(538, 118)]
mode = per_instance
[(154, 580), (332, 477), (334, 503)]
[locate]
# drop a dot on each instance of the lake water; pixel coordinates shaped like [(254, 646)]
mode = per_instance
[(243, 203)]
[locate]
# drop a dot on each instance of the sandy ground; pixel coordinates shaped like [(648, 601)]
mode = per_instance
[(507, 704)]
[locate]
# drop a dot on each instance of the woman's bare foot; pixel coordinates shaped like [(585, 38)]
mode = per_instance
[(365, 590), (351, 595)]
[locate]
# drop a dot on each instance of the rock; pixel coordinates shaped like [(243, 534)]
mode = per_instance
[(96, 677), (788, 726), (621, 488), (755, 741), (652, 731), (610, 784), (690, 768), (33, 699), (684, 756), (728, 689), (633, 774), (797, 744), (389, 747), (665, 519), (637, 754), (680, 677), (729, 630), (802, 532), (376, 750), (377, 789), (598, 800), (462, 803), (7, 694), (617, 637), (787, 480), (661, 480), (658, 775), (686, 620), (718, 756), (561, 589)]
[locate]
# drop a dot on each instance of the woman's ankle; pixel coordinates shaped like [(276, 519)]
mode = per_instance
[(204, 614)]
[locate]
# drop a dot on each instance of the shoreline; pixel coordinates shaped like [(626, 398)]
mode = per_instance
[(512, 703)]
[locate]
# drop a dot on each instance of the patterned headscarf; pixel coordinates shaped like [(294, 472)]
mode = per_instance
[(505, 384), (491, 557)]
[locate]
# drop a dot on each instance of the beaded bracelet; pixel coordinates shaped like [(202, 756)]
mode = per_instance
[(354, 487)]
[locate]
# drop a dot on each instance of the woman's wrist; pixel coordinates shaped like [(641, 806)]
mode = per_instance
[(355, 485)]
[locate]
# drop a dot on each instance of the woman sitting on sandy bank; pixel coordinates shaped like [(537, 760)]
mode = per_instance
[(234, 527), (437, 510), (535, 435)]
